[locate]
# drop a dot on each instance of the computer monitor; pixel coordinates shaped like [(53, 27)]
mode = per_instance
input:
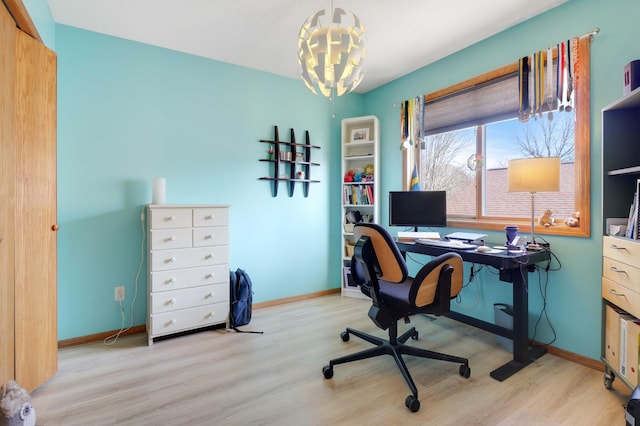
[(418, 208)]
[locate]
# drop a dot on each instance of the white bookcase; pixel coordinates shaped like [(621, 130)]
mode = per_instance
[(360, 140)]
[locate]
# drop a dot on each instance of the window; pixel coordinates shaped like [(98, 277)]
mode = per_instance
[(471, 130)]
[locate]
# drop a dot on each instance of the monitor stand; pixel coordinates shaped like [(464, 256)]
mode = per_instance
[(409, 235)]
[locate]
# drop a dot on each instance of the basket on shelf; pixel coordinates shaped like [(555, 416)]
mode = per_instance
[(350, 247)]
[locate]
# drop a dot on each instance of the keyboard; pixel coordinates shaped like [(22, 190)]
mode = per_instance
[(446, 244)]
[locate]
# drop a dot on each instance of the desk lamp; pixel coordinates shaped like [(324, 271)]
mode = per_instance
[(540, 174)]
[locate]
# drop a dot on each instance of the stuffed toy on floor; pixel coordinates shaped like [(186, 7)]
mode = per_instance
[(16, 406)]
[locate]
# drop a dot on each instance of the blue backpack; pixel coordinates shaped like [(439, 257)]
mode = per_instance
[(241, 300)]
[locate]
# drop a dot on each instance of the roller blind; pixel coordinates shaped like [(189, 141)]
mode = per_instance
[(491, 101)]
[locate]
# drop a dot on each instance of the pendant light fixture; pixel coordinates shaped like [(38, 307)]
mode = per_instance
[(330, 52)]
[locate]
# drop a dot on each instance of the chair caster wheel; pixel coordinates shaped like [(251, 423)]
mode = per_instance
[(465, 371), (412, 403), (327, 371), (344, 336), (608, 380), (414, 336)]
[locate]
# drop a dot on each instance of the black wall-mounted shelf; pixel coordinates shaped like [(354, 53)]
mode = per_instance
[(284, 159)]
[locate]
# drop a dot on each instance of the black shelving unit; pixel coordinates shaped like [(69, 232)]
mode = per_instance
[(620, 156), (286, 156)]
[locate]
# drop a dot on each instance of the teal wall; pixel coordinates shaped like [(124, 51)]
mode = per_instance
[(129, 112), (41, 16), (573, 293)]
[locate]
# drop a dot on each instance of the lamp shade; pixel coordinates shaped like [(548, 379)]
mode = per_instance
[(330, 54), (540, 174)]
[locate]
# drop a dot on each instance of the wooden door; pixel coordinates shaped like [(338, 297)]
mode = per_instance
[(36, 348), (7, 192)]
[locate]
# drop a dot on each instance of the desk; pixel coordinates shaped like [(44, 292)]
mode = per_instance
[(514, 268)]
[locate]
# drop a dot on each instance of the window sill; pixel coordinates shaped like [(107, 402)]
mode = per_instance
[(524, 226)]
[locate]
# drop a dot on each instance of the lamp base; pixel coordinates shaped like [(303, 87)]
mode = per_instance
[(535, 247)]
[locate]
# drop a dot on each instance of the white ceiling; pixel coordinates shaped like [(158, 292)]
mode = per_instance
[(402, 35)]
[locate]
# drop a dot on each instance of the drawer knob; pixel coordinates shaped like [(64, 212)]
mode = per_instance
[(210, 295), (614, 269), (172, 321), (170, 280), (210, 256), (210, 275), (615, 293), (171, 218), (209, 237), (172, 259), (172, 238), (211, 314), (209, 217)]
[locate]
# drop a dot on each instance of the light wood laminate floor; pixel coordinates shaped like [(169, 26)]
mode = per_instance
[(225, 378)]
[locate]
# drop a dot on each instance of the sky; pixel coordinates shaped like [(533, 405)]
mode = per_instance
[(500, 141)]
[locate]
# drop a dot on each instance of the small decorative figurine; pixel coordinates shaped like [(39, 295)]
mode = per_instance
[(368, 169), (573, 221), (547, 218)]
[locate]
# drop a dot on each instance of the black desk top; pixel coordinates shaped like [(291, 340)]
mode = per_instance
[(501, 259)]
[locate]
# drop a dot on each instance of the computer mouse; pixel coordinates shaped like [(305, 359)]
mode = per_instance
[(483, 248)]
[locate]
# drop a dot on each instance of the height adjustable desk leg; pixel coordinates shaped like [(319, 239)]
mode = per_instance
[(522, 355)]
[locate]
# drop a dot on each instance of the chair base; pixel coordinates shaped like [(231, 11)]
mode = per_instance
[(395, 347)]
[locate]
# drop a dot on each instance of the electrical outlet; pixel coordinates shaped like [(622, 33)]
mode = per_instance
[(119, 292)]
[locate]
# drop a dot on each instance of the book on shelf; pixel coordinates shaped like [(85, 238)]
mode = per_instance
[(633, 230), (358, 194), (630, 220), (636, 217)]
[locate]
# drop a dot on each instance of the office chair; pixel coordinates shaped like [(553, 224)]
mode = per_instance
[(380, 269)]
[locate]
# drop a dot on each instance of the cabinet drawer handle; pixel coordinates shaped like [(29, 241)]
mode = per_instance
[(171, 218), (171, 301), (211, 314), (209, 237), (614, 269), (209, 295), (615, 247), (170, 280), (210, 256), (210, 216), (172, 321), (210, 275), (172, 259), (615, 293)]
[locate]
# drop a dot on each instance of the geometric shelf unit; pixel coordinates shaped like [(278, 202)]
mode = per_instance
[(290, 162)]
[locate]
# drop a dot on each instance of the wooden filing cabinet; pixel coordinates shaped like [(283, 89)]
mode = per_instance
[(621, 292), (188, 268)]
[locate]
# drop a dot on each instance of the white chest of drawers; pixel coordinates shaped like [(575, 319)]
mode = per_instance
[(188, 268)]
